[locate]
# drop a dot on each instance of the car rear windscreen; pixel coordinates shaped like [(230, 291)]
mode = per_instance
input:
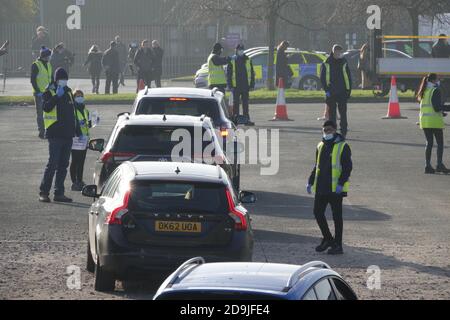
[(180, 106), (182, 197), (216, 295), (157, 140)]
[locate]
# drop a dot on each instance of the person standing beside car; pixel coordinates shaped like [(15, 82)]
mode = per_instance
[(216, 72), (329, 180), (41, 78), (241, 79), (283, 70), (61, 126), (337, 82)]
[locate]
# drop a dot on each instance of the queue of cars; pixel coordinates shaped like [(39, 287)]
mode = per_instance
[(154, 208)]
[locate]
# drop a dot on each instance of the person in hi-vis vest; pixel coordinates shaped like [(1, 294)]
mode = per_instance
[(432, 120), (216, 72), (41, 78), (61, 126), (329, 181)]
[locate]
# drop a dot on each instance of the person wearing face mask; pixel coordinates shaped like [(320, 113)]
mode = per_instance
[(329, 180), (337, 82), (241, 79), (143, 60), (80, 144), (61, 126), (432, 121), (41, 78), (216, 73)]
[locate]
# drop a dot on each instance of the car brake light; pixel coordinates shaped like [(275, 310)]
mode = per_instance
[(118, 156), (238, 217), (115, 217), (178, 99)]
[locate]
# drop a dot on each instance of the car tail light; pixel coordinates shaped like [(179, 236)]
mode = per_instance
[(115, 217), (118, 156), (238, 217)]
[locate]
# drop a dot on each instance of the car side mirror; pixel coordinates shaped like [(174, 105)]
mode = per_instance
[(241, 120), (90, 191), (247, 197), (97, 145)]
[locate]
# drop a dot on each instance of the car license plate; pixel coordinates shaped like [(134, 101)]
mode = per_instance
[(178, 226)]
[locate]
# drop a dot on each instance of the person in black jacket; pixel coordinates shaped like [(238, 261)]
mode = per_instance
[(283, 70), (61, 126), (441, 49), (241, 79), (328, 191), (158, 54), (144, 62), (337, 82), (111, 65), (62, 58), (94, 60)]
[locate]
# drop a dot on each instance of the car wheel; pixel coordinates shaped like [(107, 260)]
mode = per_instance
[(90, 264), (104, 281), (310, 83)]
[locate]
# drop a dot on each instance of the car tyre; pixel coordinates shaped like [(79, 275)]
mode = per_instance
[(103, 280), (90, 264), (310, 83)]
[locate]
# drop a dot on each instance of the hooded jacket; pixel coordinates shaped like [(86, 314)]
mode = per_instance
[(325, 177)]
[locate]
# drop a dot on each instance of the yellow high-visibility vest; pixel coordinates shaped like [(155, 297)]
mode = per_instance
[(50, 118), (83, 120), (336, 167), (429, 118), (44, 76), (216, 74), (248, 67), (344, 72)]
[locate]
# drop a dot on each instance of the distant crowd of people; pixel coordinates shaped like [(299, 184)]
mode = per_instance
[(144, 61)]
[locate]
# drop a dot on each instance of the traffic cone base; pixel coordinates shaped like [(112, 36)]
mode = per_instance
[(394, 105), (281, 108)]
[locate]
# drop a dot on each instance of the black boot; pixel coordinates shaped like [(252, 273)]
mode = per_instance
[(336, 249), (44, 198), (62, 198), (429, 170), (325, 244), (442, 169)]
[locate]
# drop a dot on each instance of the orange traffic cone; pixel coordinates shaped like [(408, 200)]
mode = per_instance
[(394, 105), (281, 109), (141, 85)]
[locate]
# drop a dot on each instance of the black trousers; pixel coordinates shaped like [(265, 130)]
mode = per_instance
[(320, 205), (77, 165), (338, 102), (146, 76), (430, 134), (157, 79), (95, 78), (112, 78), (239, 94)]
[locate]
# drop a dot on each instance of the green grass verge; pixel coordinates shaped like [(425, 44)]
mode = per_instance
[(257, 96)]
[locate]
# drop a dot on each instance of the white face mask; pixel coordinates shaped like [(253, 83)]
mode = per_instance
[(438, 84), (328, 137), (240, 53), (62, 83), (79, 100)]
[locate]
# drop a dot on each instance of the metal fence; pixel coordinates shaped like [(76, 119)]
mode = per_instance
[(185, 49)]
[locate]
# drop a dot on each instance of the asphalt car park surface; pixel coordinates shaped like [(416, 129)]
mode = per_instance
[(395, 217)]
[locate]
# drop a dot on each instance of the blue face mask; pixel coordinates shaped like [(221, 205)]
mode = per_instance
[(62, 83), (79, 100), (328, 137)]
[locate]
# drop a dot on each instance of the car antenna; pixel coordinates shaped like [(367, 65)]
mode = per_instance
[(164, 118), (262, 250), (178, 171)]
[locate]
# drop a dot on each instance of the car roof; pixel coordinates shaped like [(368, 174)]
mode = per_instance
[(176, 171), (164, 120), (179, 93), (258, 277)]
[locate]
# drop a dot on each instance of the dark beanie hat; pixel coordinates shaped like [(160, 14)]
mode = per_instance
[(217, 47), (45, 52), (61, 74), (330, 123), (240, 46)]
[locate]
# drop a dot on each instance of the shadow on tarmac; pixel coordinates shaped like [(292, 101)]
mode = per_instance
[(294, 206)]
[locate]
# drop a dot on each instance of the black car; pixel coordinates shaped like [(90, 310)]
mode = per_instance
[(149, 138), (152, 216)]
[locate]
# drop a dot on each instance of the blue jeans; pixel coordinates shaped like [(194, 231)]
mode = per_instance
[(58, 162)]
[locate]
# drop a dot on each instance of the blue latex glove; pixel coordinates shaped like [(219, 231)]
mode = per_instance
[(339, 189), (327, 94), (60, 91), (309, 189)]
